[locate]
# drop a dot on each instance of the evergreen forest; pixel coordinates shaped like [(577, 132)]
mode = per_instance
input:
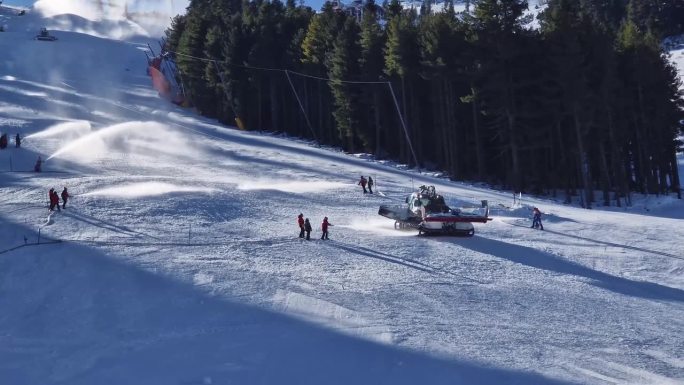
[(580, 103)]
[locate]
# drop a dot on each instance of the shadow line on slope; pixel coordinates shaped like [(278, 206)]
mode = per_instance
[(541, 260), (408, 262), (90, 318), (103, 224), (354, 249), (432, 268), (606, 243), (48, 242), (663, 254)]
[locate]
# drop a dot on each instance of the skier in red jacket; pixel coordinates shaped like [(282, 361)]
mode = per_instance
[(362, 183), (54, 200), (324, 227), (300, 221)]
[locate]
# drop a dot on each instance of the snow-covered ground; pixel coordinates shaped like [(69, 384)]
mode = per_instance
[(176, 261), (117, 19)]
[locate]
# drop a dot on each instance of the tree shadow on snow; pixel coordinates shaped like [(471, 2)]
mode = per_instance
[(538, 259), (597, 241), (87, 318), (407, 262), (668, 255)]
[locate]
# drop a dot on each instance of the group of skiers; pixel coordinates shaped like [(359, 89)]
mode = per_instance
[(363, 182), (4, 141), (54, 199), (305, 227)]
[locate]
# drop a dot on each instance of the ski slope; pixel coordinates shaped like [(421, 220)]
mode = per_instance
[(176, 261)]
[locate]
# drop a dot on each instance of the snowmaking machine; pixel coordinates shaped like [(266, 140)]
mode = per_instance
[(44, 35), (426, 211)]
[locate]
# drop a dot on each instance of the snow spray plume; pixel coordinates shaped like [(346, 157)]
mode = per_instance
[(147, 189), (131, 138), (68, 130), (153, 15)]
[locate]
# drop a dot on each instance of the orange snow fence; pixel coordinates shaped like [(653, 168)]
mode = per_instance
[(160, 83), (239, 123)]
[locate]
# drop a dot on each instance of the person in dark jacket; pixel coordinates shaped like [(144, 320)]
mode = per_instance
[(3, 141), (536, 219), (370, 184), (324, 228), (38, 166), (65, 196), (17, 141), (307, 228), (362, 183), (300, 221)]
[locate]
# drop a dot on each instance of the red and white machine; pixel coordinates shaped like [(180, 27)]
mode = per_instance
[(427, 212)]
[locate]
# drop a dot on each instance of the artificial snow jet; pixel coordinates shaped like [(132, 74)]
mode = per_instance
[(427, 212), (44, 35)]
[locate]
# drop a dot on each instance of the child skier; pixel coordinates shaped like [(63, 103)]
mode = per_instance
[(65, 196), (300, 221), (362, 183), (54, 200), (536, 219), (307, 228), (324, 228)]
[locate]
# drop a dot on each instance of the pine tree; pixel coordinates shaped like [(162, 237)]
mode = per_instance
[(587, 102), (342, 64), (191, 45), (174, 32), (402, 61), (442, 48), (316, 48), (654, 111), (498, 25), (371, 64)]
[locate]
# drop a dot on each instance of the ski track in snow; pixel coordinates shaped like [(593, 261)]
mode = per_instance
[(180, 262)]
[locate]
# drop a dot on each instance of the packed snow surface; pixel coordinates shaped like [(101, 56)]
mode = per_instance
[(177, 261)]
